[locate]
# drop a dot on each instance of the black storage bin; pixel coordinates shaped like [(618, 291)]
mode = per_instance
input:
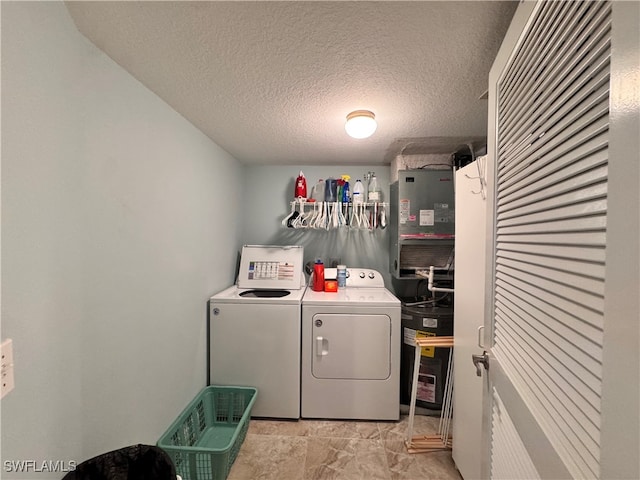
[(135, 462), (425, 321)]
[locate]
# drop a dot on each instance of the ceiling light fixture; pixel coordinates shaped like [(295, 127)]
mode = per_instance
[(361, 124)]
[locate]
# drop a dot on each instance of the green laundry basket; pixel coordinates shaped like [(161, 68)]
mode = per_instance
[(203, 442)]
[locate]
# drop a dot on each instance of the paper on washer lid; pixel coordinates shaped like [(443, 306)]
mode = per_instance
[(271, 267)]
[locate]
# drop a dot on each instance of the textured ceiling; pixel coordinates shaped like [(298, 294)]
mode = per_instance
[(272, 82)]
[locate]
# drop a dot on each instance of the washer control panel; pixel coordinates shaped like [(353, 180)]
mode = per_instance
[(271, 267), (358, 277)]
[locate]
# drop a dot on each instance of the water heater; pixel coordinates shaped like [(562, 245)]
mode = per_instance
[(421, 221)]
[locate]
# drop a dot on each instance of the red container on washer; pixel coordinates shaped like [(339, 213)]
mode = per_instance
[(330, 285), (318, 276)]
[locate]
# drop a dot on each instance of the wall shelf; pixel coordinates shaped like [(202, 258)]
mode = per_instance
[(336, 215)]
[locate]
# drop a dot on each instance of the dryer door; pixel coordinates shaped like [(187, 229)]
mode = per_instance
[(351, 346)]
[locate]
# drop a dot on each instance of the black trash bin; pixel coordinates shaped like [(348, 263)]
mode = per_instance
[(136, 462), (434, 362)]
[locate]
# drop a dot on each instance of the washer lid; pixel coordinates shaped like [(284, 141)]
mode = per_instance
[(237, 296), (271, 267), (265, 293)]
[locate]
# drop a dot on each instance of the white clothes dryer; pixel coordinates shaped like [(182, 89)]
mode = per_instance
[(254, 329), (351, 350)]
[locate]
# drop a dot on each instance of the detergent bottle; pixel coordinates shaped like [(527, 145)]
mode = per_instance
[(346, 194), (301, 186), (342, 276), (331, 190), (358, 192)]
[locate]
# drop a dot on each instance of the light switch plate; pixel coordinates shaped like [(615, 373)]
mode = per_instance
[(6, 366)]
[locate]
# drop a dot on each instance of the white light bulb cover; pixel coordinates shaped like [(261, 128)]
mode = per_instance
[(361, 124)]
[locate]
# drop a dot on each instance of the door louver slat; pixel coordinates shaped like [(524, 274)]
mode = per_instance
[(573, 405), (595, 239), (551, 218), (544, 191), (564, 252), (572, 210), (584, 199), (557, 225), (553, 16), (551, 113), (594, 288), (548, 414), (573, 356), (554, 109), (572, 169), (584, 337), (580, 321), (596, 100), (572, 299), (584, 142), (555, 64), (544, 364), (537, 146), (587, 269)]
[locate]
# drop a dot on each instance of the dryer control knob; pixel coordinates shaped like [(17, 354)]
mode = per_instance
[(361, 274), (371, 275)]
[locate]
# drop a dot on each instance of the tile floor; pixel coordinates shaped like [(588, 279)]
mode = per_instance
[(338, 450)]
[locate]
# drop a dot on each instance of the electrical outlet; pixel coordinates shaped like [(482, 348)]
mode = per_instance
[(6, 366), (334, 262)]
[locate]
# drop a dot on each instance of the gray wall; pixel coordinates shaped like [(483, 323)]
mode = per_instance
[(268, 191), (113, 238)]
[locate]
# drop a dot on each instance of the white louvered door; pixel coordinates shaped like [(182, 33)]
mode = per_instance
[(548, 203)]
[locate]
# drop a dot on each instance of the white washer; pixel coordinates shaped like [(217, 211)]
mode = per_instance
[(351, 350), (254, 329)]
